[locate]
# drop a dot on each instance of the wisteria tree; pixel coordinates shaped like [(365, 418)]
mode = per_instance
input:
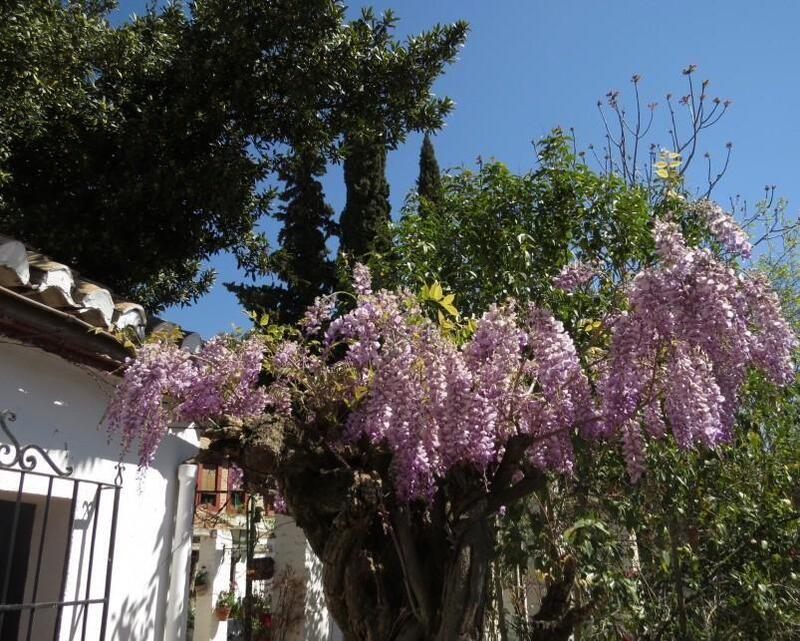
[(395, 439)]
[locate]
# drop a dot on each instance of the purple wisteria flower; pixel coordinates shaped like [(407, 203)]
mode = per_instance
[(235, 477), (165, 385), (317, 315), (679, 350), (573, 275), (693, 329), (724, 227)]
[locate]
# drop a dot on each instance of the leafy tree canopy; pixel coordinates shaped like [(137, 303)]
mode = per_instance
[(366, 216), (689, 553), (157, 134), (399, 437), (497, 234)]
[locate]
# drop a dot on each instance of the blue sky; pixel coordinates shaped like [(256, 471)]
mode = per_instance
[(529, 65)]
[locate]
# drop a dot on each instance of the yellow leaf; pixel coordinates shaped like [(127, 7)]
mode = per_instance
[(447, 304), (436, 291), (594, 353), (444, 323)]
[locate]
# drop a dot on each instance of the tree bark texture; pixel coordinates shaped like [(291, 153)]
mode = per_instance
[(391, 571)]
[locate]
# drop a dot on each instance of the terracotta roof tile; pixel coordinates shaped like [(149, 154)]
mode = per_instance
[(56, 285)]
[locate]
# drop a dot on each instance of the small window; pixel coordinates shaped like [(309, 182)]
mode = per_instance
[(207, 485), (236, 500)]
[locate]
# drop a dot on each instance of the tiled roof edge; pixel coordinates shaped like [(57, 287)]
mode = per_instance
[(42, 280)]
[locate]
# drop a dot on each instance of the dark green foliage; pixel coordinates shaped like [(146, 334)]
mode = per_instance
[(135, 153), (429, 182), (365, 219), (301, 268), (705, 547), (497, 234), (134, 177)]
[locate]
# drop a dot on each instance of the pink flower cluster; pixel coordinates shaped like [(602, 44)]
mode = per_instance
[(165, 384), (733, 238), (573, 275), (279, 503), (319, 313), (678, 354), (677, 358), (143, 404), (235, 477), (682, 349), (225, 381), (437, 405)]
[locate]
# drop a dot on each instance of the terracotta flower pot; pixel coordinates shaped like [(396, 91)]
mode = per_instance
[(223, 612)]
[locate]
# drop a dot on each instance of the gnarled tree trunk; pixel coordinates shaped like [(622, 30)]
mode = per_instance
[(391, 571)]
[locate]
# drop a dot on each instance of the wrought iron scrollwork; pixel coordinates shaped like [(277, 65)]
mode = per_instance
[(22, 455)]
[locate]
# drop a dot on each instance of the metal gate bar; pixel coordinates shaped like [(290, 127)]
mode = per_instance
[(23, 464), (12, 543), (39, 556)]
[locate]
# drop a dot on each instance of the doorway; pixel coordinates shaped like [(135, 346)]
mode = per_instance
[(15, 550)]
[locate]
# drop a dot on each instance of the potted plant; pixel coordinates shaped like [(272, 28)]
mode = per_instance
[(201, 583), (226, 600), (260, 615)]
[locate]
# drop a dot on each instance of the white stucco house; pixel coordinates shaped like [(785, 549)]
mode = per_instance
[(91, 547)]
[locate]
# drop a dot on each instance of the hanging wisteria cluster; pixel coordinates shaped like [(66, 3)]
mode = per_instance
[(573, 275), (675, 359), (682, 349), (724, 227), (437, 405), (164, 385)]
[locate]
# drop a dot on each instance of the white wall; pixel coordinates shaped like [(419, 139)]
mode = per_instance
[(59, 406), (292, 550)]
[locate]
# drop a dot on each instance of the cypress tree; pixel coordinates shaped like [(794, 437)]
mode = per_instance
[(301, 267), (365, 219), (429, 182)]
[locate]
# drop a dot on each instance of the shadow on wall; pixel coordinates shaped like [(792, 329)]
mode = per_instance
[(59, 407), (132, 622), (316, 613), (144, 617)]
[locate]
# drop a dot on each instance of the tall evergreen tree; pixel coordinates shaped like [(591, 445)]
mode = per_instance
[(365, 219), (429, 182), (301, 269)]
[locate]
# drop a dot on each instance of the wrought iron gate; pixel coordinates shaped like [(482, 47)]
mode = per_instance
[(45, 578)]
